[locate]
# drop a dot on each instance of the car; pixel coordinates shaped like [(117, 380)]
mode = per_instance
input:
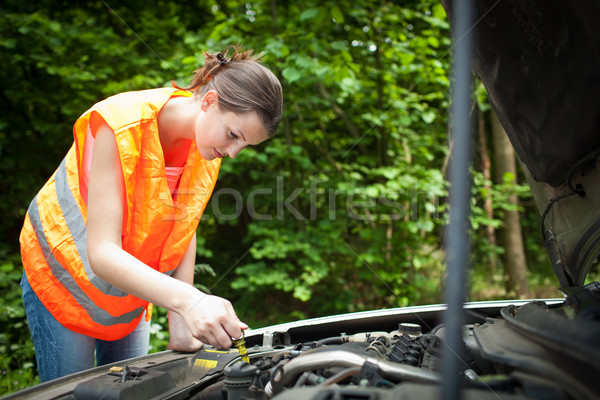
[(384, 354), (540, 63)]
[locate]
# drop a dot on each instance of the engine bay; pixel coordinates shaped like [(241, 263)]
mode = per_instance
[(521, 350)]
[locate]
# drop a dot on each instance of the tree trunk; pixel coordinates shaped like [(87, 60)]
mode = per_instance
[(511, 237), (486, 167)]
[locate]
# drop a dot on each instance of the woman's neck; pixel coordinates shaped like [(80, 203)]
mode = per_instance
[(176, 128)]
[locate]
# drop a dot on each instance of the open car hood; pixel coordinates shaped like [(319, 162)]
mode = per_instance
[(540, 63)]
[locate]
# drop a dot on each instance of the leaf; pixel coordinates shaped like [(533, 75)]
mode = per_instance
[(291, 74), (428, 116), (405, 120), (309, 14), (189, 60), (508, 177), (336, 14), (302, 293)]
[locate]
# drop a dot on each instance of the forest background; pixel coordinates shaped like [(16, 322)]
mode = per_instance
[(344, 210)]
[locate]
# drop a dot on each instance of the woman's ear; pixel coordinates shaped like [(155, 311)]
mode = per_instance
[(209, 99)]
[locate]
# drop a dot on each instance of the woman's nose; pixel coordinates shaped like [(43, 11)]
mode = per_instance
[(235, 149)]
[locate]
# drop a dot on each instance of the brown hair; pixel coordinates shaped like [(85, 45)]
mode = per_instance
[(243, 84)]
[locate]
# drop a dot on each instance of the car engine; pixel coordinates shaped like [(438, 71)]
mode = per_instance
[(521, 350), (529, 353)]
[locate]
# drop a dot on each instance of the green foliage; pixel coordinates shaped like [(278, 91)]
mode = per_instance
[(344, 210), (498, 194), (16, 348), (159, 332), (350, 194)]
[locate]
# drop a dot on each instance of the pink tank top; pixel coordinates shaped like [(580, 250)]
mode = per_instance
[(173, 173)]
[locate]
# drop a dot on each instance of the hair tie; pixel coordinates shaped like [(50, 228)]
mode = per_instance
[(221, 59)]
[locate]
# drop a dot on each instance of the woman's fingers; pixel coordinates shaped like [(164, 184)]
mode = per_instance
[(214, 321), (233, 326), (180, 337)]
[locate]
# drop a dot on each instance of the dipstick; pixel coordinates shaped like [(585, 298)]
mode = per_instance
[(240, 344)]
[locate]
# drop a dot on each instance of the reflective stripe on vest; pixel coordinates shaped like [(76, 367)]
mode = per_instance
[(78, 230), (97, 314)]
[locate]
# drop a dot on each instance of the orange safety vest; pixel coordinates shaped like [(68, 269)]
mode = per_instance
[(157, 227)]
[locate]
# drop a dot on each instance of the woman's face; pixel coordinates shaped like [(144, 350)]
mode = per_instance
[(221, 133)]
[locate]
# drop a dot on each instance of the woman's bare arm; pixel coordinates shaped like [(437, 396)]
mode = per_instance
[(180, 337), (210, 319)]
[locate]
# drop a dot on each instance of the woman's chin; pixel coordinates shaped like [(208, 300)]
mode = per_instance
[(206, 154)]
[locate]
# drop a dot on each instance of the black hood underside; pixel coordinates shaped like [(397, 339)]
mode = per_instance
[(539, 61)]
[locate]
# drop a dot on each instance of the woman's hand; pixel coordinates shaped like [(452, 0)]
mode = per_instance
[(180, 337), (212, 320), (197, 317)]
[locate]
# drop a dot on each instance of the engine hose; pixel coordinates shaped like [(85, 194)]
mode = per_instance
[(340, 376), (286, 374)]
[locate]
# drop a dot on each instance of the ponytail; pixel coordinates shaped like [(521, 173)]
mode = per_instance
[(243, 85)]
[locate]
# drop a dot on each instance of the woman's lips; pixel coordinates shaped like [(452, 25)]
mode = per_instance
[(217, 154)]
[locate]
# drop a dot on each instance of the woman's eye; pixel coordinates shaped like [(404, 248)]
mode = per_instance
[(233, 135)]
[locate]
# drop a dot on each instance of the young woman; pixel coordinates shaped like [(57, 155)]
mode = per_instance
[(113, 230)]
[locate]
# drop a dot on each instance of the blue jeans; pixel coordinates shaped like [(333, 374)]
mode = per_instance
[(60, 351)]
